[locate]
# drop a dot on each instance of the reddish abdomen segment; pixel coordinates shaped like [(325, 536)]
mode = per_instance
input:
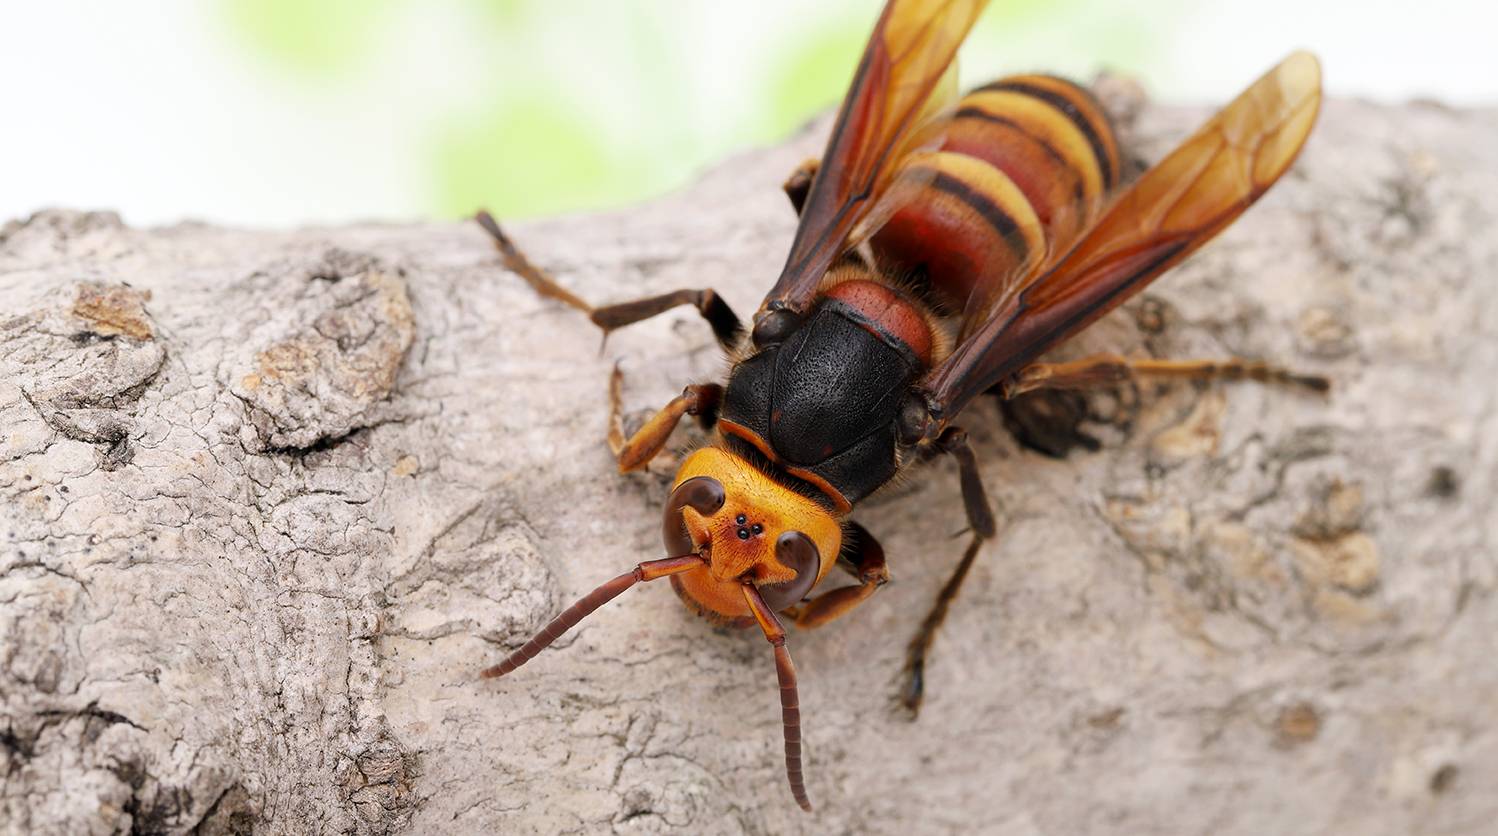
[(1026, 164)]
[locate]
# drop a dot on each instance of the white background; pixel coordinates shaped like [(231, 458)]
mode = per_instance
[(150, 108)]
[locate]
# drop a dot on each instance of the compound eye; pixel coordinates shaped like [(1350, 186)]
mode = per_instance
[(795, 551), (705, 495), (775, 327)]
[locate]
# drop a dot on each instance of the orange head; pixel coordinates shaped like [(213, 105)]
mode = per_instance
[(741, 547), (748, 528)]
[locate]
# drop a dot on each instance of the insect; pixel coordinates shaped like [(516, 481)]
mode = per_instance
[(944, 245)]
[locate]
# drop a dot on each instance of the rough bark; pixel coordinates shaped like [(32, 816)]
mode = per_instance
[(272, 499)]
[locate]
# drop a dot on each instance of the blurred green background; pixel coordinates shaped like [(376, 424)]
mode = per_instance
[(585, 104), (285, 112)]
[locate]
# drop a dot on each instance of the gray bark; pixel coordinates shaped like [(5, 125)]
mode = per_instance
[(270, 500)]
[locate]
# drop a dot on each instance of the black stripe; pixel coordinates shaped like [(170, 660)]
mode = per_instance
[(1089, 96), (972, 112), (1068, 107), (991, 212)]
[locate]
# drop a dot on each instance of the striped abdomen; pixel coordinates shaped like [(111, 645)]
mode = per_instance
[(1026, 164)]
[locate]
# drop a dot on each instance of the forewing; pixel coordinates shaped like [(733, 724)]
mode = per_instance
[(907, 59), (1175, 207), (900, 182)]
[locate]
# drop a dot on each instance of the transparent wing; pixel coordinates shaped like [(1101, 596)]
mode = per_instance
[(899, 84), (1170, 211)]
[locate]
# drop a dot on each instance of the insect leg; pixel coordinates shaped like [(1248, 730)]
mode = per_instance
[(724, 321), (700, 400), (980, 519), (1103, 369), (868, 567), (953, 440), (516, 262), (719, 315), (798, 185), (1047, 421)]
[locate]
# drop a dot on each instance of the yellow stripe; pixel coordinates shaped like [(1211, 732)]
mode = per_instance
[(1086, 104), (994, 186), (1050, 126)]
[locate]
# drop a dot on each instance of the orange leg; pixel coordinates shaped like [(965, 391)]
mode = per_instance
[(798, 185), (868, 567), (1104, 369), (700, 400)]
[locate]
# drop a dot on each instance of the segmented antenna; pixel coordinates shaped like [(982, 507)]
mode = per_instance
[(647, 571), (790, 700)]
